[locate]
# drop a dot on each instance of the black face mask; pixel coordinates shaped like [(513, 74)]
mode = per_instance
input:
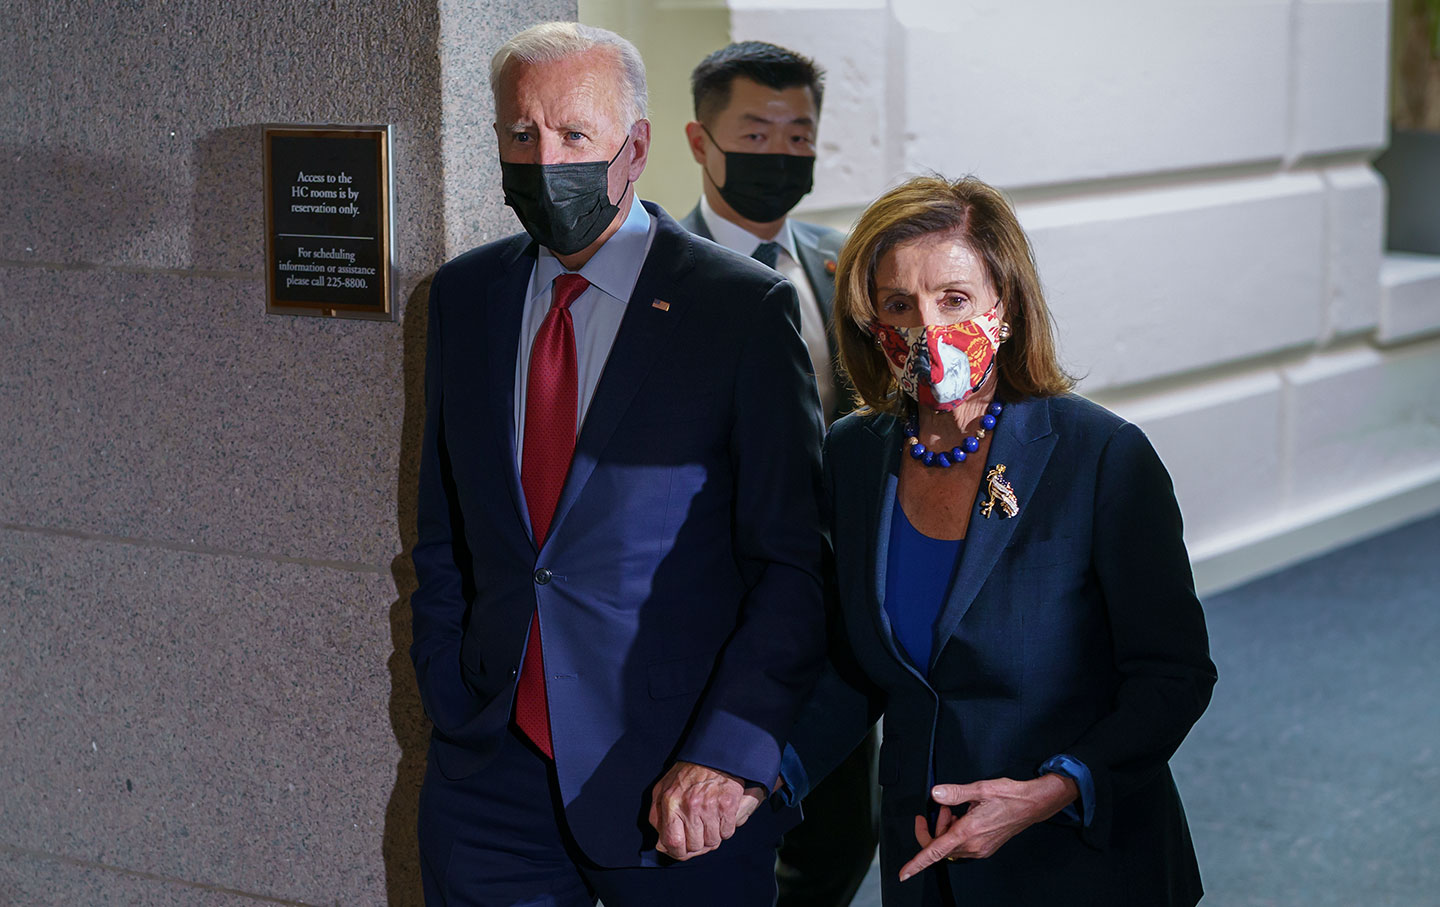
[(764, 187), (564, 207)]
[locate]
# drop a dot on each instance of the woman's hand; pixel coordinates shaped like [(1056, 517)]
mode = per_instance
[(999, 810)]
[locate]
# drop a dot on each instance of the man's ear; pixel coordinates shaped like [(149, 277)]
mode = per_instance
[(639, 148), (695, 138)]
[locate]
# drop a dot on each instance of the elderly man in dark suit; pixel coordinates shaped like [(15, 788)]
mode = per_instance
[(757, 110), (619, 605)]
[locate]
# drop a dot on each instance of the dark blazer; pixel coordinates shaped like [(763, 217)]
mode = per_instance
[(1071, 628), (678, 590), (819, 248)]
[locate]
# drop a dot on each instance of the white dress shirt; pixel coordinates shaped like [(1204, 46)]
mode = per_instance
[(612, 272), (812, 321)]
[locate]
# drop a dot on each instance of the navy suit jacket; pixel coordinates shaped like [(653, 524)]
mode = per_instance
[(679, 588), (819, 248), (1070, 628)]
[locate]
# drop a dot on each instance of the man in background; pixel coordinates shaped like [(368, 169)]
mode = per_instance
[(757, 110)]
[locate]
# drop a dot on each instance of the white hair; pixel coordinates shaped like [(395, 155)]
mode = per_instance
[(551, 41)]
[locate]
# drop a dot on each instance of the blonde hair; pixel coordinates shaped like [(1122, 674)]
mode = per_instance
[(551, 41), (979, 215)]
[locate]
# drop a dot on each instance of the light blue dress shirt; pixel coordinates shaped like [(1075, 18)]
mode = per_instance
[(612, 271)]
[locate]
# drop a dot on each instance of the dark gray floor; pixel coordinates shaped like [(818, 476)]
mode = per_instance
[(1314, 778)]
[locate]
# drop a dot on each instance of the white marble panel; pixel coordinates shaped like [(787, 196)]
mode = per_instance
[(1341, 68), (1355, 213), (1410, 299), (1054, 92), (1150, 283)]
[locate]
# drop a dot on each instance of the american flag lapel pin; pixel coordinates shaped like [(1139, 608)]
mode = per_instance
[(660, 304)]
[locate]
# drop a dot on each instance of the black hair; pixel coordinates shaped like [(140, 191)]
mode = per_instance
[(769, 65)]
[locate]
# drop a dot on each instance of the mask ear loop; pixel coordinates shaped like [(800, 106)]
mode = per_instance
[(628, 182), (630, 134), (711, 137), (704, 169)]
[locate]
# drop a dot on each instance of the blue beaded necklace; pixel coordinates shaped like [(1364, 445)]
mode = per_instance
[(944, 459)]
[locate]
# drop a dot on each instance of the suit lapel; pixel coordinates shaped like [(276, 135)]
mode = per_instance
[(880, 511), (643, 330), (812, 259), (1023, 442), (504, 309)]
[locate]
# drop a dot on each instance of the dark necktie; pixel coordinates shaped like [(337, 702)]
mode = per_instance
[(767, 253), (551, 404)]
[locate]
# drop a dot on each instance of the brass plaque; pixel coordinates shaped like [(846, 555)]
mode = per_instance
[(327, 221)]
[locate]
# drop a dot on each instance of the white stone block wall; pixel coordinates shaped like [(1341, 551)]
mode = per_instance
[(1195, 177), (1355, 216), (1151, 282), (1409, 298)]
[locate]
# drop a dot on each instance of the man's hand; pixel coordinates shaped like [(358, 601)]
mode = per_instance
[(999, 810), (694, 808)]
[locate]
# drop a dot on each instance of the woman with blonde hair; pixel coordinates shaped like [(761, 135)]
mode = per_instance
[(1014, 593)]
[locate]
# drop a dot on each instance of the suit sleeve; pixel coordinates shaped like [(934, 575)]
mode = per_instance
[(834, 719), (440, 557), (1161, 649), (844, 704), (777, 648), (832, 723)]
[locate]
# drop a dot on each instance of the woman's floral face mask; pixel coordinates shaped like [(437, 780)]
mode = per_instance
[(938, 365)]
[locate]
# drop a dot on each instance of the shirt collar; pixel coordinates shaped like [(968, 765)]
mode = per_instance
[(737, 238), (615, 266)]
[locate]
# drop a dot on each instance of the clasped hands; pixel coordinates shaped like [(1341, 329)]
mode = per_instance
[(695, 809)]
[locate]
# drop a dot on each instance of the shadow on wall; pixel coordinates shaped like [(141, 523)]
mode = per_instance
[(227, 216), (407, 717), (65, 205)]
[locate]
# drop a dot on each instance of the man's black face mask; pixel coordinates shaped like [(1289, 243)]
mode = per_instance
[(764, 187), (564, 207)]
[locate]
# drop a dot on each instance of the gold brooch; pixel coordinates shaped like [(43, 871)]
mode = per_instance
[(1000, 493)]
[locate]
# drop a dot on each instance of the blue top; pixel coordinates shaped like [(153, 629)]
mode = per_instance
[(918, 575)]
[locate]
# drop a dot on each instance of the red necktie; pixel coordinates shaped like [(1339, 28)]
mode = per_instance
[(551, 401)]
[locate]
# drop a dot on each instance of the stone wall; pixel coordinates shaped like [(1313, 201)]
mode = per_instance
[(206, 695)]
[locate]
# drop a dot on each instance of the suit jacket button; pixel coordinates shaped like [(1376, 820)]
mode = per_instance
[(542, 576)]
